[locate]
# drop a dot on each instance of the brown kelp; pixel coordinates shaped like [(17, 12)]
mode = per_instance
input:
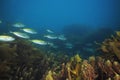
[(19, 60), (96, 68), (111, 46), (103, 67)]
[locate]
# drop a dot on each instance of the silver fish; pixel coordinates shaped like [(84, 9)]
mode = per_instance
[(28, 30), (0, 21), (6, 38), (19, 25), (50, 36), (20, 34), (69, 45), (40, 42), (49, 31), (62, 37)]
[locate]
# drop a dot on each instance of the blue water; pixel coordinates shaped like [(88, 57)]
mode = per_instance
[(57, 14)]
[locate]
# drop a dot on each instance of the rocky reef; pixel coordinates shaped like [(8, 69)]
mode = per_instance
[(103, 67), (20, 60)]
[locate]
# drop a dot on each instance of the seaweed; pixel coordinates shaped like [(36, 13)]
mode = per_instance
[(19, 60)]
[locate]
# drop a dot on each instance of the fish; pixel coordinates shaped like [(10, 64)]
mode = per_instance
[(88, 44), (49, 31), (89, 49), (6, 38), (69, 45), (20, 34), (19, 25), (50, 36), (62, 37), (28, 30), (52, 45), (40, 42), (0, 21)]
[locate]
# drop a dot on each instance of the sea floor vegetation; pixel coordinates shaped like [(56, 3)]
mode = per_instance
[(19, 60)]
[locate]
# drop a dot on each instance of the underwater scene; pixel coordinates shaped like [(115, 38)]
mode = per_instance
[(59, 39)]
